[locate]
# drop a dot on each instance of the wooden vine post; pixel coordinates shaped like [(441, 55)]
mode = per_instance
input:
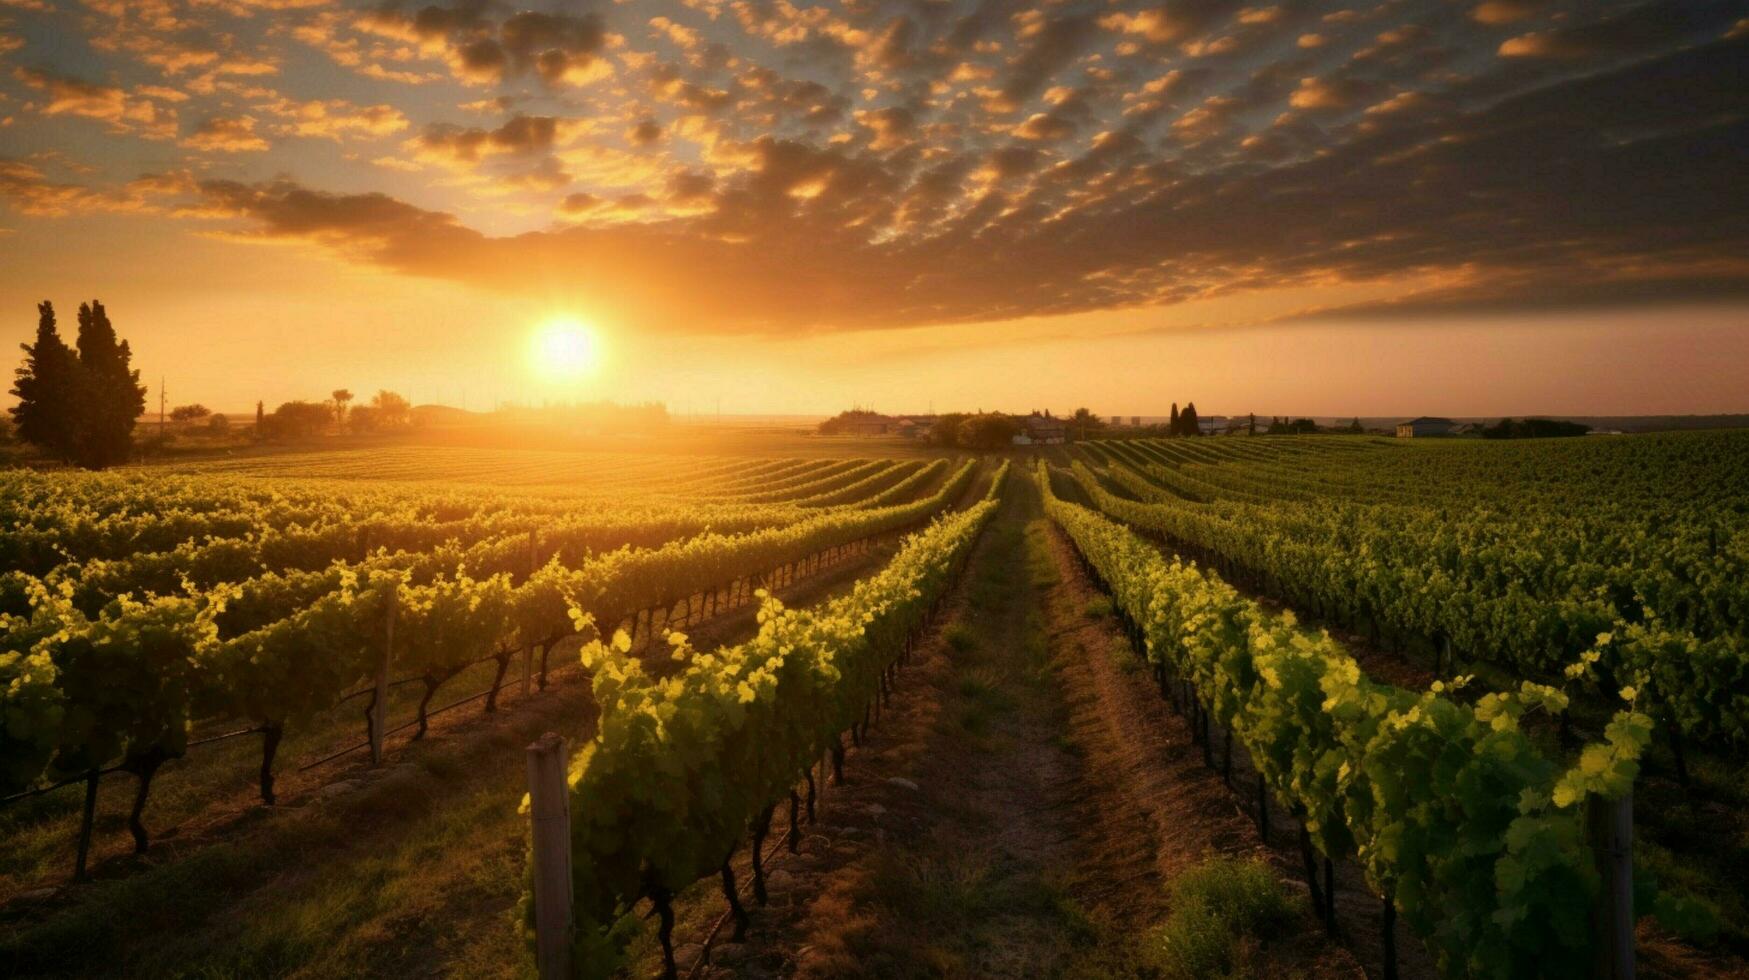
[(550, 818), (528, 649), (1611, 826), (85, 822), (380, 705)]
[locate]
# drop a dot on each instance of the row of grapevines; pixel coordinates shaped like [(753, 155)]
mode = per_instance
[(567, 473), (1475, 835), (681, 766), (47, 519), (129, 677), (1533, 603), (874, 483)]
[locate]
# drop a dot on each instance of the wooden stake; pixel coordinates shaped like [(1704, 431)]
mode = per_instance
[(550, 815), (1388, 932), (380, 704), (1611, 824), (85, 825)]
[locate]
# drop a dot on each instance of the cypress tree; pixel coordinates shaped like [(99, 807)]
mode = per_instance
[(112, 397), (1172, 427), (1188, 419), (47, 389)]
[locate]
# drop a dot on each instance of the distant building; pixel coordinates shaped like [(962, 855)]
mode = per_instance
[(1039, 429), (1211, 425), (1136, 420), (1425, 426)]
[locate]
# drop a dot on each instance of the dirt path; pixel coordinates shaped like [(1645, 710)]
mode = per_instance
[(1019, 810)]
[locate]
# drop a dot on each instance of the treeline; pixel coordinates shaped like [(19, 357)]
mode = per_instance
[(1534, 429), (983, 431), (305, 419), (78, 404)]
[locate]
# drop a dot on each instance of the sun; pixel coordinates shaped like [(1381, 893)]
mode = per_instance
[(565, 348)]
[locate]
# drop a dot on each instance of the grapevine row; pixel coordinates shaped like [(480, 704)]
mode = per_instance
[(1458, 820), (1533, 605), (682, 767)]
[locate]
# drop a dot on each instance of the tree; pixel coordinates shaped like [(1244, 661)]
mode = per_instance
[(1354, 427), (1251, 425), (1187, 419), (991, 430), (189, 413), (111, 396), (341, 397), (393, 411), (847, 421), (364, 418), (1083, 421), (1534, 429), (297, 420), (946, 430), (218, 424), (81, 407), (46, 388), (1172, 426), (260, 415)]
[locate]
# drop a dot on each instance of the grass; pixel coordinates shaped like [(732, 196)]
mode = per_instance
[(1222, 911), (416, 867), (960, 638), (40, 834)]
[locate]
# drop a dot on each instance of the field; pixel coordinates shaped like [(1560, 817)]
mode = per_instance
[(1326, 706)]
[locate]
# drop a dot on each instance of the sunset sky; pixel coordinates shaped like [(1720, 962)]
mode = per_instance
[(1464, 208)]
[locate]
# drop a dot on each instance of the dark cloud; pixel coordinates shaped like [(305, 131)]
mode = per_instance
[(485, 43), (519, 136), (1560, 192)]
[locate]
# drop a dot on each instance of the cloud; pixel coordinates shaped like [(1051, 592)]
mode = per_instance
[(27, 188), (336, 119), (226, 135), (519, 136), (1634, 29), (1329, 94), (557, 48), (1495, 12), (111, 104), (799, 238), (770, 165)]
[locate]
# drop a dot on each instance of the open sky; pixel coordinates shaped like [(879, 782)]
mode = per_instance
[(1420, 206)]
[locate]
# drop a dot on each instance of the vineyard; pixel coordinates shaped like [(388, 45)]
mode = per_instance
[(1440, 680)]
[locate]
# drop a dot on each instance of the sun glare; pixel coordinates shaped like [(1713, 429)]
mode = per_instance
[(565, 349)]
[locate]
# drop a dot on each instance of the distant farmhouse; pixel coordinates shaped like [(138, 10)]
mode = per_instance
[(1425, 426), (1041, 430)]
